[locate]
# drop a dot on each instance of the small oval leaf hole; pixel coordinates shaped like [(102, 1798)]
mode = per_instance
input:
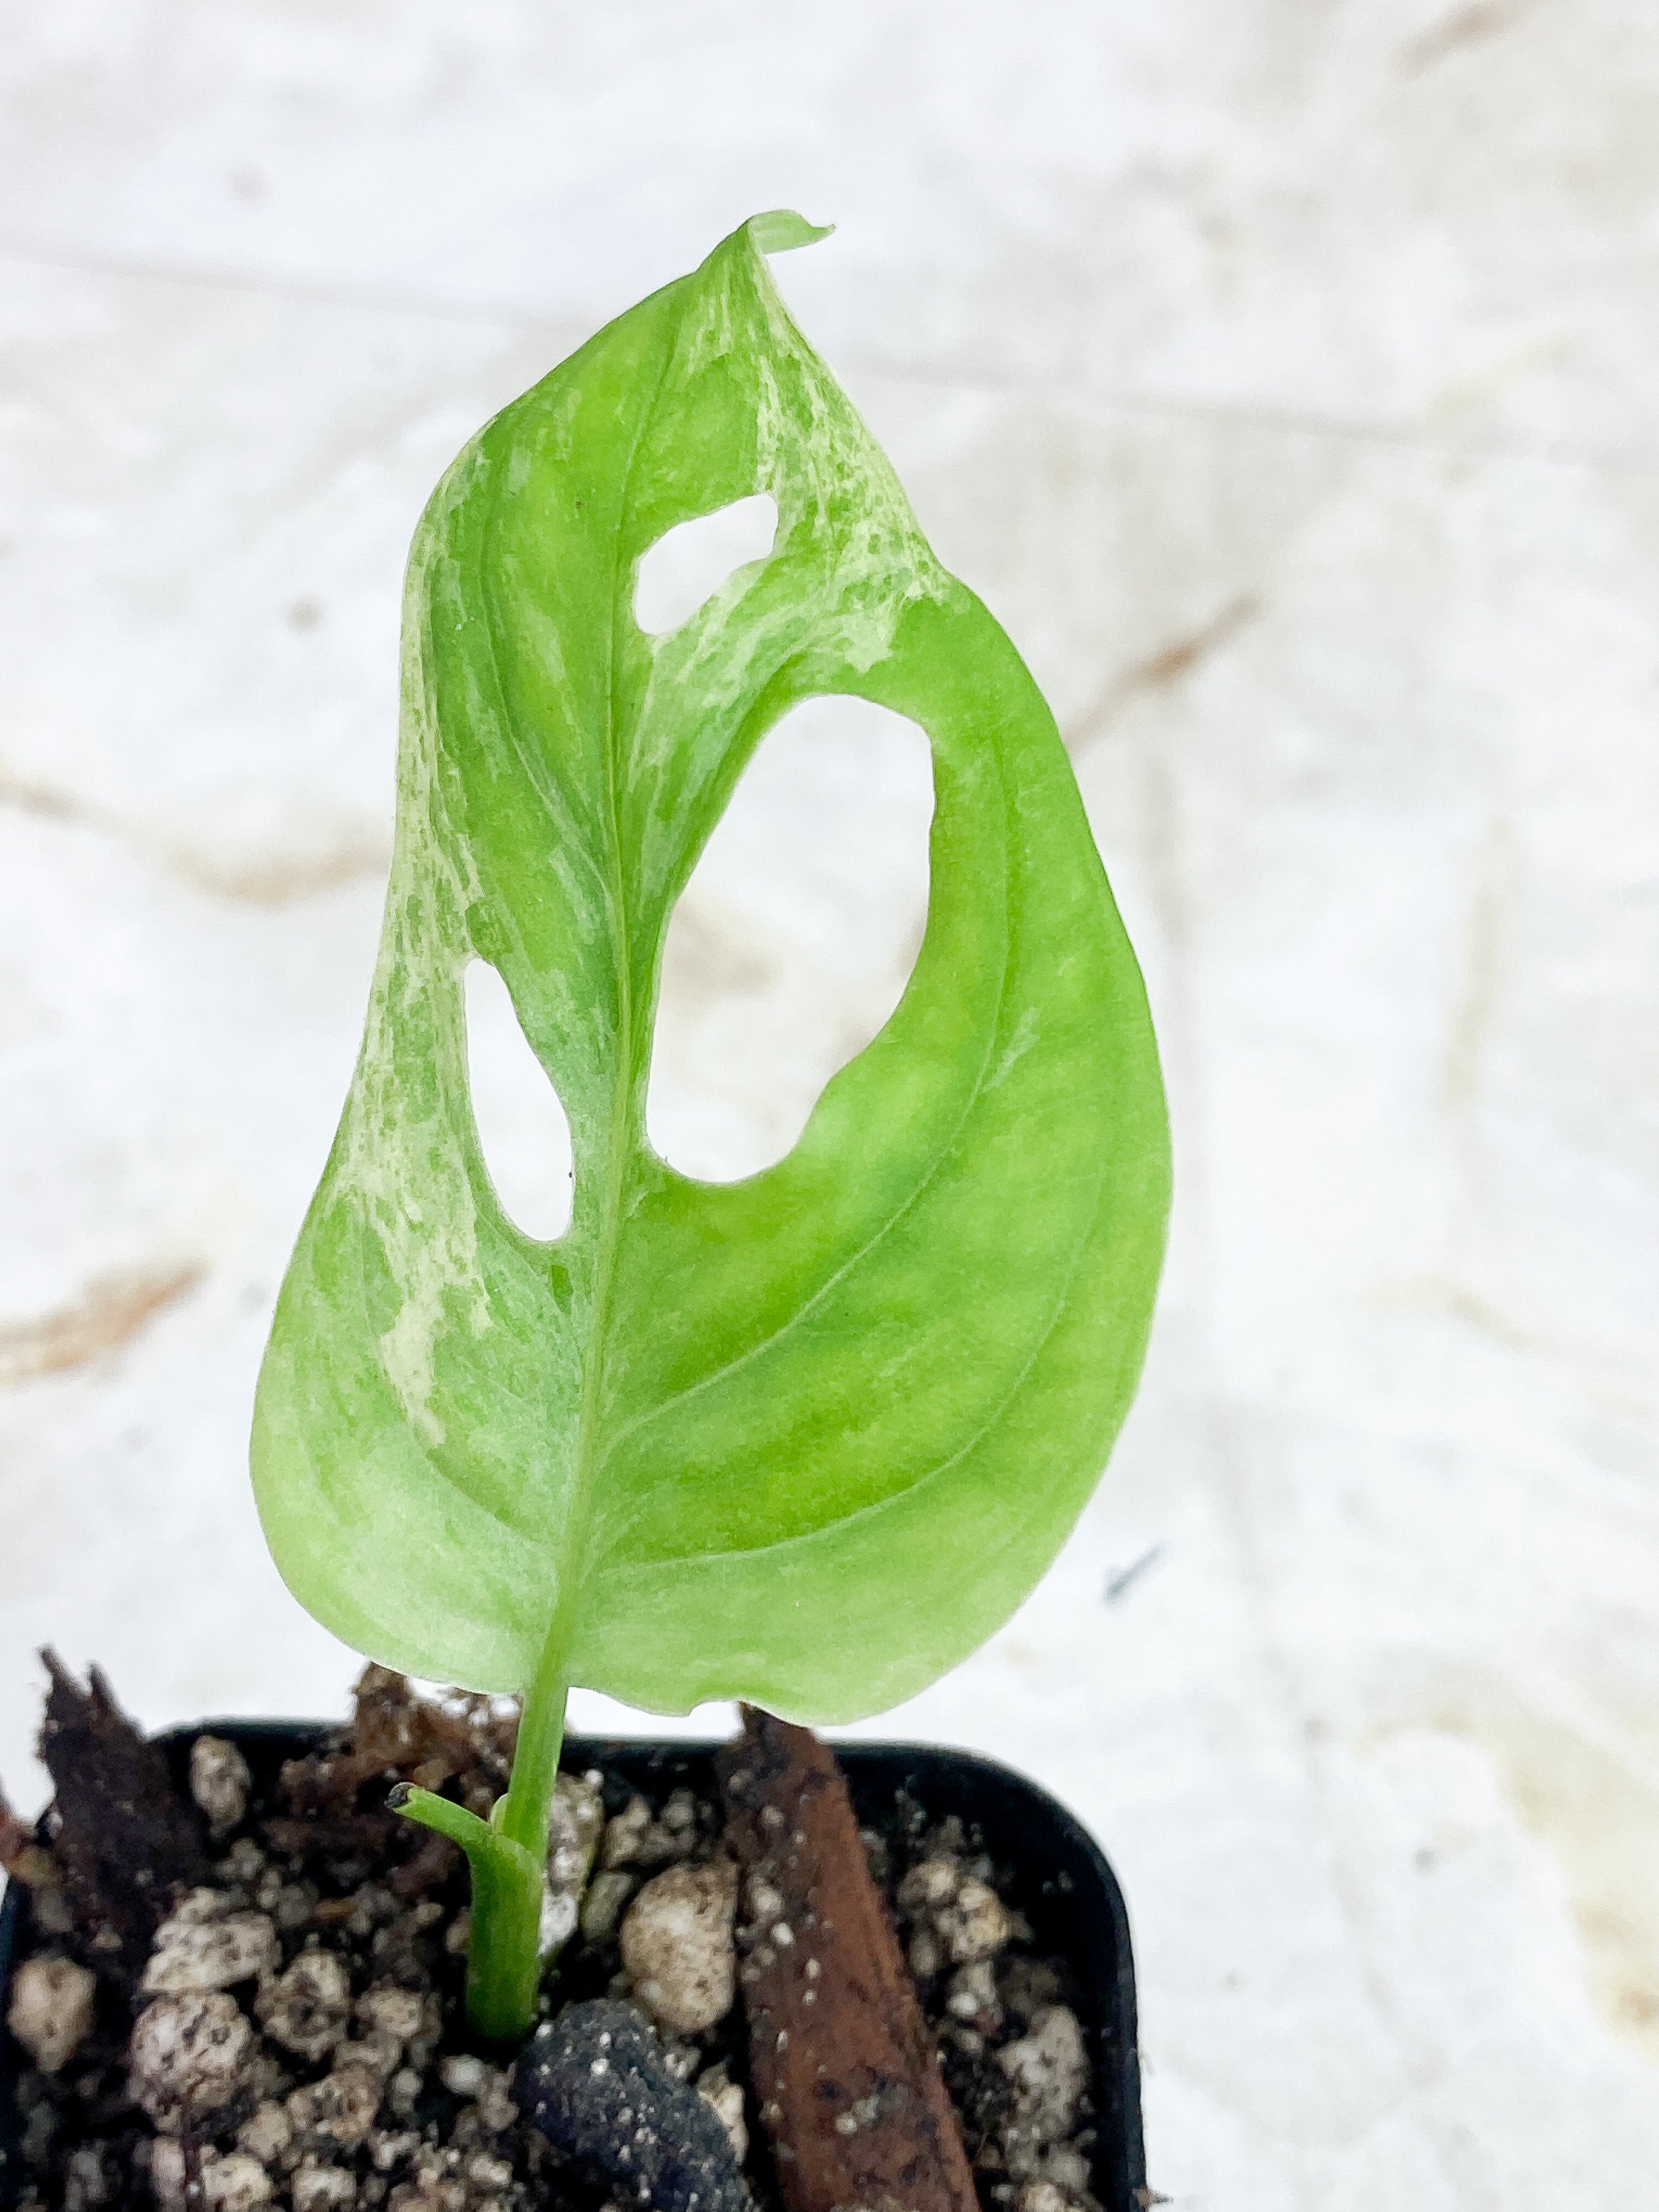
[(689, 564), (521, 1124), (792, 942)]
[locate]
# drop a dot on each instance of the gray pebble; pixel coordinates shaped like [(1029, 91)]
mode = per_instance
[(595, 2081)]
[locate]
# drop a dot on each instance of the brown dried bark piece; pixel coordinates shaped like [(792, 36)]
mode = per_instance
[(844, 2070), (125, 1838), (395, 1735)]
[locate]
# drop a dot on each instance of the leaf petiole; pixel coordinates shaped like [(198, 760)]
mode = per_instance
[(525, 1812)]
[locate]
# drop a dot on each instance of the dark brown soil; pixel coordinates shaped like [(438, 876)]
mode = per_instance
[(334, 2071)]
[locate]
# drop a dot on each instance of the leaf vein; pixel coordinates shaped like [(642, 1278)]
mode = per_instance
[(854, 1259)]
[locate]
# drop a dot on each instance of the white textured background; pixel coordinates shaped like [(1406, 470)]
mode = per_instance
[(1283, 373)]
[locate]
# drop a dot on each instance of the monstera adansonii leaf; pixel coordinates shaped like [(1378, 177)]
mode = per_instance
[(806, 1438)]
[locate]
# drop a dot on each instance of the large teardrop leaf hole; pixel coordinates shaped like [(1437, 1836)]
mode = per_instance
[(689, 564), (793, 940), (521, 1124)]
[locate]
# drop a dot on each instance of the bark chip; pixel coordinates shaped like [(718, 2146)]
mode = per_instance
[(845, 2073)]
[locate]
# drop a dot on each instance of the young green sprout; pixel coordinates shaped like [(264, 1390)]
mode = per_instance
[(807, 1439)]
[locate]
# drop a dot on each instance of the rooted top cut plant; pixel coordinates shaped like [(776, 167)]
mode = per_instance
[(808, 1438)]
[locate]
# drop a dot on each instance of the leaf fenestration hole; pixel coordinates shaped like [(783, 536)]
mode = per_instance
[(522, 1129), (794, 939), (689, 564)]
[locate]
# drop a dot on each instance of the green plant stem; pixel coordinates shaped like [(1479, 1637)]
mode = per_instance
[(507, 1857), (523, 1813)]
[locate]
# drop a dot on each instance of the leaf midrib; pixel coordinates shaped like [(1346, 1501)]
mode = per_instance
[(616, 1149)]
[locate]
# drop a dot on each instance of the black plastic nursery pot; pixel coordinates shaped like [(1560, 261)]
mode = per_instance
[(1062, 1883)]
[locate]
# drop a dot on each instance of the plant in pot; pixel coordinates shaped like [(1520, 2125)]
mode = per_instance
[(803, 1440)]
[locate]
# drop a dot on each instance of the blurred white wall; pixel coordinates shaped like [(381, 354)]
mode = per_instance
[(1281, 372)]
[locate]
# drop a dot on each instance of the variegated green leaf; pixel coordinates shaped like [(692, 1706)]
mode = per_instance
[(811, 1436)]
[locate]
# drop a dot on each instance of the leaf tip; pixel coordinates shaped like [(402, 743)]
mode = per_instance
[(781, 230)]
